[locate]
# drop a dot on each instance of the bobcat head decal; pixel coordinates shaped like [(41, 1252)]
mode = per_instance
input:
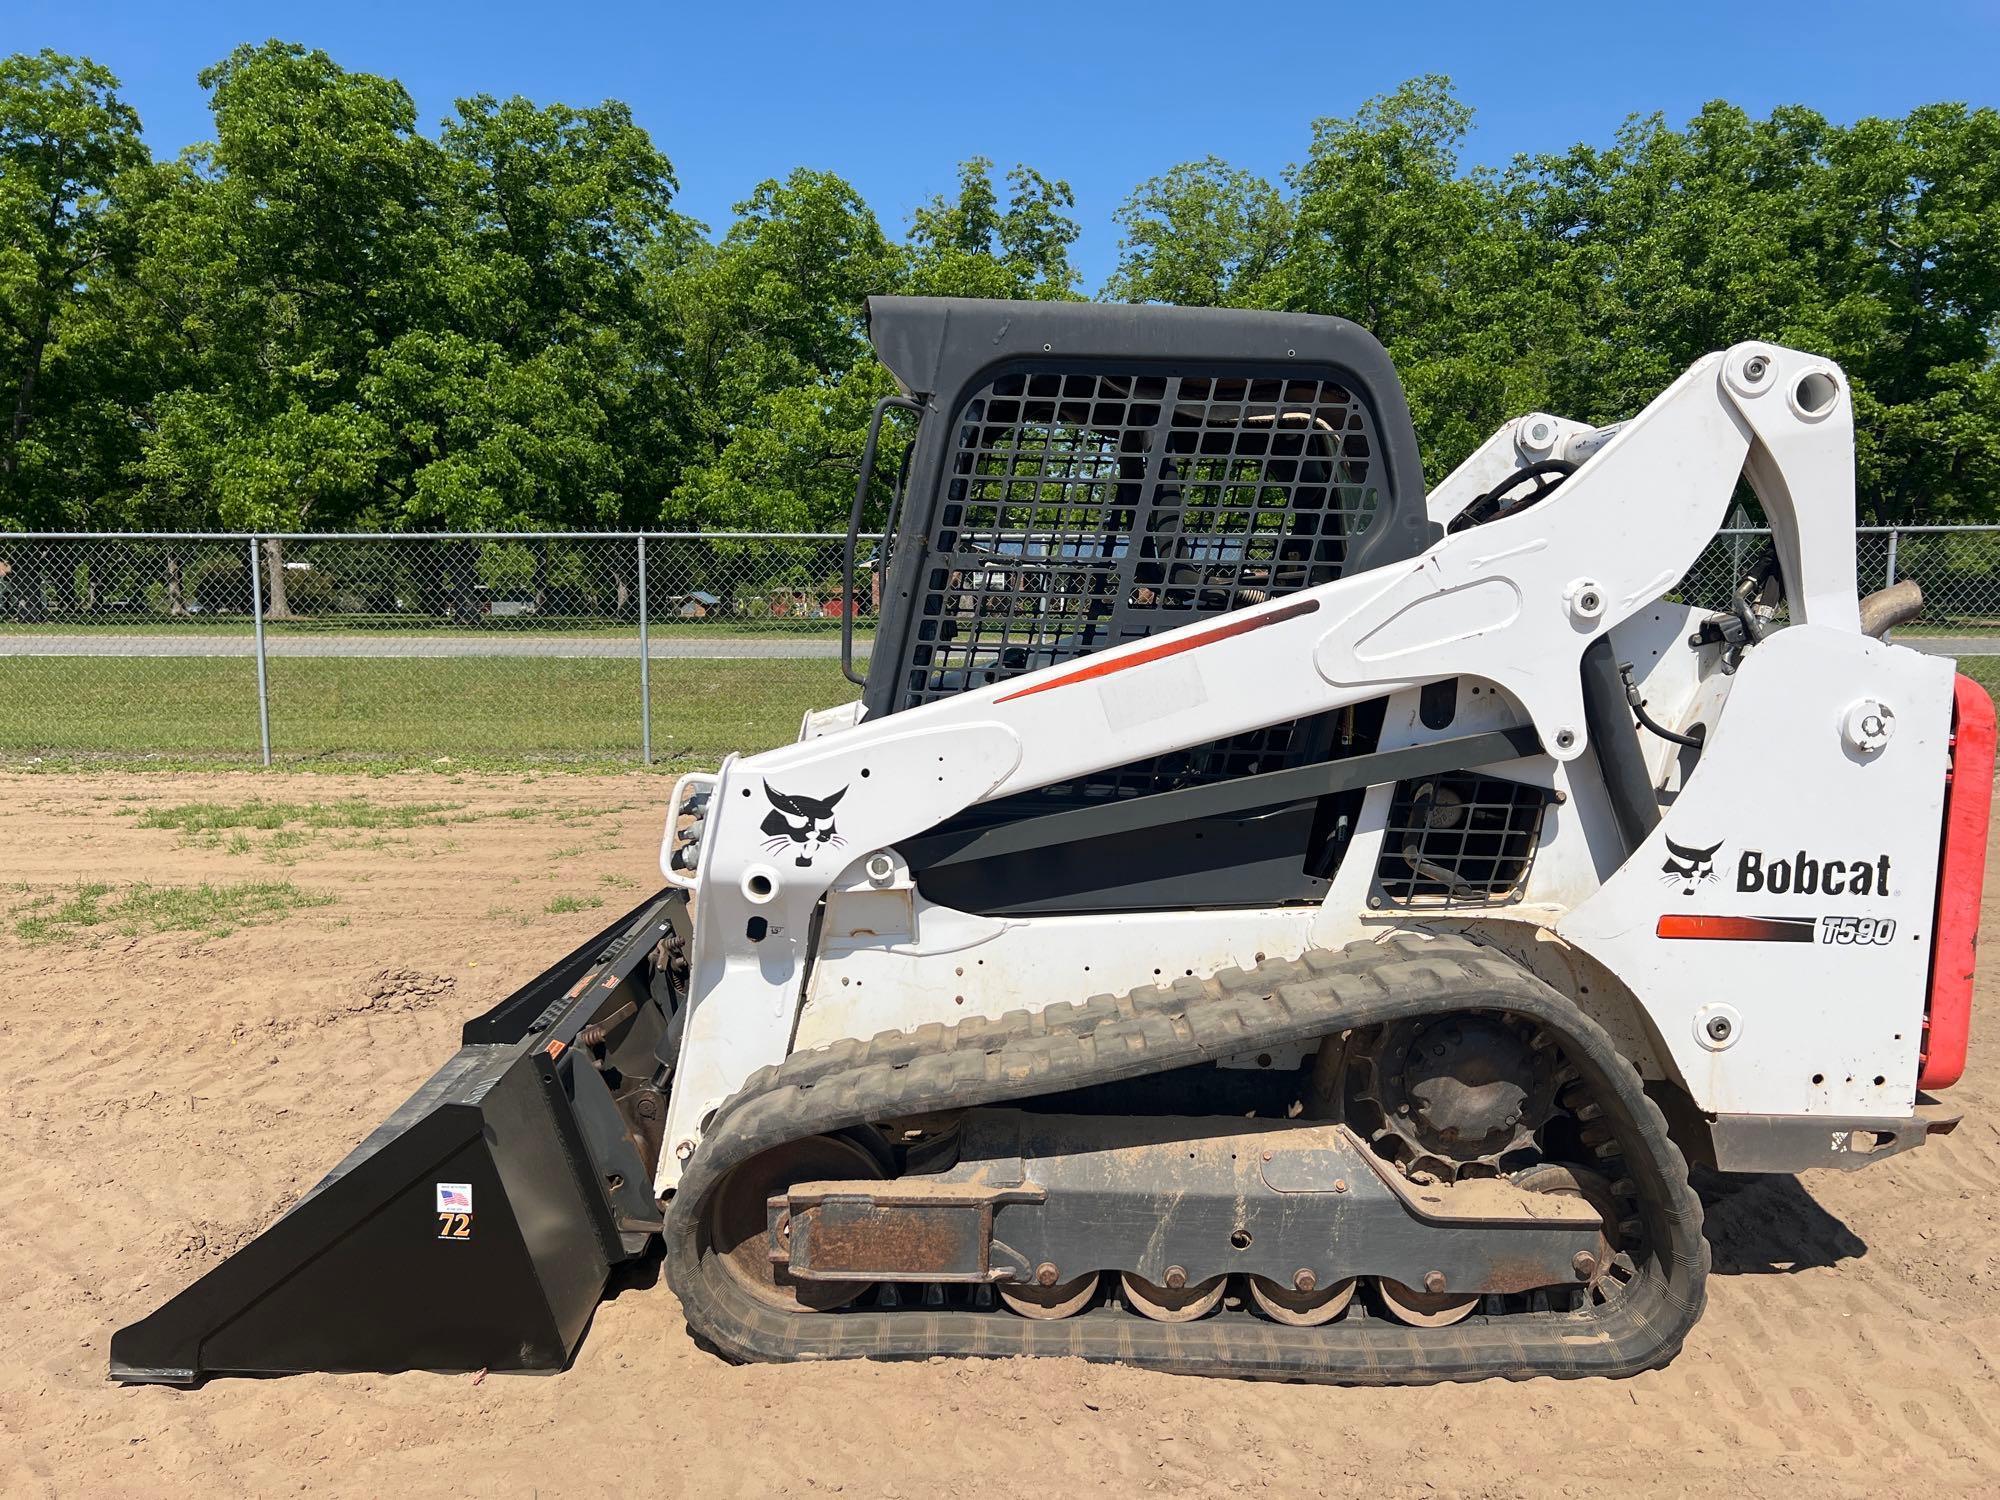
[(801, 824), (1688, 867)]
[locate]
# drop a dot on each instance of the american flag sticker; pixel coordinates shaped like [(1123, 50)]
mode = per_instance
[(454, 1197)]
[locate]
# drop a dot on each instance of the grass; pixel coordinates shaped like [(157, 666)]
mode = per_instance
[(565, 904), (211, 910), (348, 812), (451, 715), (281, 832), (188, 713), (1984, 670)]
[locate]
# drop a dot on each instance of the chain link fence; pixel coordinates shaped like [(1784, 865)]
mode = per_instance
[(667, 649)]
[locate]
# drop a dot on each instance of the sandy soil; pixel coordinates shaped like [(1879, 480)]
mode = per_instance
[(164, 1094)]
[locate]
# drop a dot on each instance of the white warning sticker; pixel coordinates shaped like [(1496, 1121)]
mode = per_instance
[(1166, 687), (454, 1197)]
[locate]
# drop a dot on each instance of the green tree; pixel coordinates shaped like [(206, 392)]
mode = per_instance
[(1382, 216), (327, 317), (1918, 316), (1876, 244), (65, 139), (1203, 235), (520, 400), (967, 245), (554, 208), (767, 333), (301, 245), (791, 464), (1388, 231)]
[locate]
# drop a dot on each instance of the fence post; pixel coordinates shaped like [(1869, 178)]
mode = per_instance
[(263, 686), (1890, 578), (645, 667)]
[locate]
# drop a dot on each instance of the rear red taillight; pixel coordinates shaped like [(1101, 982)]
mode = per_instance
[(1968, 799)]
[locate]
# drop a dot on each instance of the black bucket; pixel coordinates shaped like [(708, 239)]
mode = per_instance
[(476, 1227)]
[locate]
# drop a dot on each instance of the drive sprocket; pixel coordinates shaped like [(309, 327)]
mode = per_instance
[(1453, 1096)]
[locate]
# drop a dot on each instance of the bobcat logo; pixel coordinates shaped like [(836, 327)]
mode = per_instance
[(1688, 867), (802, 824)]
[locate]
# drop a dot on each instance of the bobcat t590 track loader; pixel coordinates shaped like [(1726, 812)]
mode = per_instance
[(1260, 918)]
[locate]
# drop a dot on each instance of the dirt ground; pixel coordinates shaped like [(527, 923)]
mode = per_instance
[(165, 1093)]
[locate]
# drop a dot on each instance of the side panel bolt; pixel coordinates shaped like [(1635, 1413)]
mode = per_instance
[(1340, 1184), (684, 1150), (1584, 1264), (1176, 1278), (1045, 1273), (1304, 1281), (1434, 1281)]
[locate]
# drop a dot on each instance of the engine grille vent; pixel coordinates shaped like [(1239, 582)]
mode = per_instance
[(1459, 839)]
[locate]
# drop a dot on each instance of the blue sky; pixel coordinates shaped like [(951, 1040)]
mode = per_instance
[(1104, 95)]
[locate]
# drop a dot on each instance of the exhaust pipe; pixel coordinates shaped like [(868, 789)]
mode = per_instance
[(1885, 609)]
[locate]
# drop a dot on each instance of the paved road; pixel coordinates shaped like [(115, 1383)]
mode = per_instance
[(663, 646), (814, 647), (1951, 645)]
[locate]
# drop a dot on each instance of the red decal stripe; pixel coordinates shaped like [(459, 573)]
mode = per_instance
[(1738, 929), (1968, 798), (1104, 668)]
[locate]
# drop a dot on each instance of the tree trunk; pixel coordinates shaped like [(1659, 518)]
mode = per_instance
[(176, 592), (24, 398), (275, 605)]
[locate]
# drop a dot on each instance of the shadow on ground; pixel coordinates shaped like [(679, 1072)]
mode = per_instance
[(1768, 1224)]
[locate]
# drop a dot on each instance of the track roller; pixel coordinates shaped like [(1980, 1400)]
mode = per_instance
[(1172, 1304), (1425, 1309), (1049, 1302), (1299, 1309)]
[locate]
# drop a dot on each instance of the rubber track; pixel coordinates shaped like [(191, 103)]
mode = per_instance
[(1022, 1055)]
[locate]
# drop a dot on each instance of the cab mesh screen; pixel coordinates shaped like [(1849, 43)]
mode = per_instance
[(1086, 510)]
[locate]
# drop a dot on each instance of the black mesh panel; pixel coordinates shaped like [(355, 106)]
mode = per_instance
[(1086, 510), (1459, 839)]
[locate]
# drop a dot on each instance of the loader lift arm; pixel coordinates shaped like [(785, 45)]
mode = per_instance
[(1515, 602)]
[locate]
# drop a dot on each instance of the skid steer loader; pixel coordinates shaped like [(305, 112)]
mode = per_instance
[(1259, 918)]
